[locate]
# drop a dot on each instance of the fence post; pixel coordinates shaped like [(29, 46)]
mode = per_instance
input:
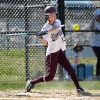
[(26, 42), (8, 39), (61, 8)]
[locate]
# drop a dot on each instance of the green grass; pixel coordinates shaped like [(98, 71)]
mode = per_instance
[(13, 52), (12, 85), (12, 70), (87, 85), (12, 67)]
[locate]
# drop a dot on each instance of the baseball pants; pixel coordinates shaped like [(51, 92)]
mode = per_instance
[(97, 53), (51, 64)]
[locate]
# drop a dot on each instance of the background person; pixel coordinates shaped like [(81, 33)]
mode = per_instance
[(95, 39)]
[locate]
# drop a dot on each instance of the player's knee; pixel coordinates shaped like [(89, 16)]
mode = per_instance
[(49, 78)]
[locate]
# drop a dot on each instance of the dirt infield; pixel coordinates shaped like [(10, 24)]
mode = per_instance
[(49, 95)]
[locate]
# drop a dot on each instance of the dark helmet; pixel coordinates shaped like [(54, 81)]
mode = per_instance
[(49, 10)]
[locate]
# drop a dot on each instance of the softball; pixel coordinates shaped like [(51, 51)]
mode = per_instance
[(76, 27)]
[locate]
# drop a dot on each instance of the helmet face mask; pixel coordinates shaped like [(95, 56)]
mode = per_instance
[(46, 17)]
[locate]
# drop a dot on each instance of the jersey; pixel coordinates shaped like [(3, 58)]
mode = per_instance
[(95, 38), (55, 39)]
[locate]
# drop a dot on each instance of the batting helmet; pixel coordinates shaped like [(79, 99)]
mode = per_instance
[(49, 10)]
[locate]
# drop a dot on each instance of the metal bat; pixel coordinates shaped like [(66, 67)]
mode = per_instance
[(17, 34), (62, 25), (25, 34)]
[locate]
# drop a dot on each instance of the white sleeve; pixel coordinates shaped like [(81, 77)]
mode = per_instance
[(43, 29), (57, 22)]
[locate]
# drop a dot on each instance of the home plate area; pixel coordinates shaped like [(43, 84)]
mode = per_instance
[(49, 95)]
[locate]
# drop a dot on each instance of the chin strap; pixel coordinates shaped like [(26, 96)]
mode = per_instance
[(46, 18)]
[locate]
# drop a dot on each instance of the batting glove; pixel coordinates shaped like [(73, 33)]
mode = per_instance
[(41, 33), (40, 37)]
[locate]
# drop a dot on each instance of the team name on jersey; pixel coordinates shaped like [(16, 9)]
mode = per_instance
[(54, 37)]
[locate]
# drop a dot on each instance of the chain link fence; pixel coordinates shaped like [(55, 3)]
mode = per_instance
[(23, 57)]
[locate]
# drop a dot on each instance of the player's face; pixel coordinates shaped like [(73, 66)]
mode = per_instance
[(52, 17)]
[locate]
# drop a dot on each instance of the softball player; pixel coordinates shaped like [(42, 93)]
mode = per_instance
[(95, 39), (53, 37)]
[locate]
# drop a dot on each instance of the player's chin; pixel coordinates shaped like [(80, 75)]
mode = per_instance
[(51, 21)]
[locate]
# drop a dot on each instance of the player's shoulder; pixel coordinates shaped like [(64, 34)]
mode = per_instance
[(57, 22), (45, 26)]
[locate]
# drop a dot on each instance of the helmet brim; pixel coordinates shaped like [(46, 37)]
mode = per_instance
[(51, 13)]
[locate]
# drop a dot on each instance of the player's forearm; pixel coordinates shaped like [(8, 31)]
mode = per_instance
[(44, 42), (51, 30)]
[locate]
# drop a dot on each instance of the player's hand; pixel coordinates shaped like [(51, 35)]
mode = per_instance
[(40, 37), (41, 33)]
